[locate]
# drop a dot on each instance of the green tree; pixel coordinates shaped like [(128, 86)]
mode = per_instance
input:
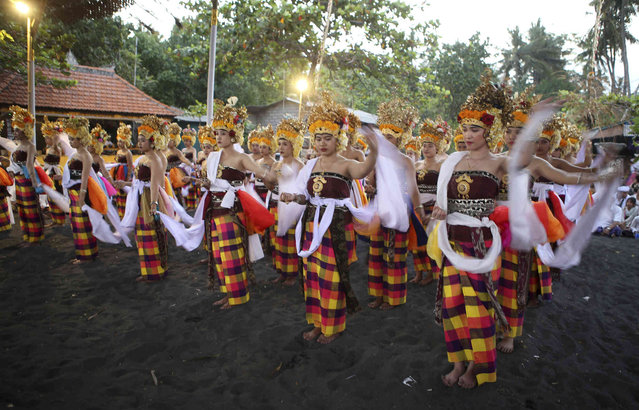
[(457, 68)]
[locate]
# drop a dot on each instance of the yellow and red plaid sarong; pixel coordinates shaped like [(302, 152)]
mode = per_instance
[(323, 293), (5, 219), (468, 316), (507, 292), (540, 282), (227, 250), (387, 272), (86, 246), (28, 210), (152, 248)]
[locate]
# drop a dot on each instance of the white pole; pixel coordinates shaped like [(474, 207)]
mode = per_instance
[(31, 77), (135, 64), (210, 96)]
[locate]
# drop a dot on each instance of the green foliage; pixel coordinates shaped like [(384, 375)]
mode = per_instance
[(457, 68)]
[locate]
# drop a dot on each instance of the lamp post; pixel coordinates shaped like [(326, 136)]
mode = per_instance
[(24, 8), (301, 86)]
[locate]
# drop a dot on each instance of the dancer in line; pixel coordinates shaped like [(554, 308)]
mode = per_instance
[(53, 154), (123, 171), (324, 186), (190, 153)]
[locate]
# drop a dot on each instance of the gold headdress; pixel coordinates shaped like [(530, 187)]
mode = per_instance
[(174, 133), (99, 138), (437, 132), (264, 136), (398, 118), (413, 144), (78, 127), (552, 131), (570, 140), (329, 117), (292, 130), (230, 118), (206, 136), (21, 119), (522, 104), (154, 129), (487, 108), (353, 124), (360, 144), (124, 134), (459, 136), (49, 128), (189, 134)]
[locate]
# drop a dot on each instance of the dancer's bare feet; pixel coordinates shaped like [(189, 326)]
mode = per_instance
[(427, 279), (417, 278), (225, 306), (376, 303), (290, 281), (144, 279), (453, 376), (278, 279), (204, 261), (468, 379), (222, 301), (386, 306), (327, 339), (80, 261), (312, 334), (506, 345), (533, 302)]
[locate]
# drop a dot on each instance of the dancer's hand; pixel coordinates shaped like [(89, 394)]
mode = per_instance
[(438, 213), (285, 197), (371, 138)]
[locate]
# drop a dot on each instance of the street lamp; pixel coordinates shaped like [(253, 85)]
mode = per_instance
[(24, 8), (301, 86)]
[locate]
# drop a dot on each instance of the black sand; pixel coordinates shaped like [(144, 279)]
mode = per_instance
[(90, 337)]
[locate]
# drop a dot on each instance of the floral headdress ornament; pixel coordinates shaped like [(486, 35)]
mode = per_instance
[(522, 105), (206, 136), (264, 136), (437, 132), (154, 129), (552, 130), (124, 133), (51, 128), (78, 127), (21, 119), (329, 117), (100, 137), (397, 118), (354, 123), (174, 131), (292, 130), (189, 134), (230, 118), (488, 107)]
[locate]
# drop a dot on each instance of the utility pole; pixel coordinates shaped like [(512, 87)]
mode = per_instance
[(210, 96)]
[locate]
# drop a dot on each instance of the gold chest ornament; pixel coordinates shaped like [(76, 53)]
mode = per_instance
[(220, 168), (421, 173), (318, 184), (463, 185)]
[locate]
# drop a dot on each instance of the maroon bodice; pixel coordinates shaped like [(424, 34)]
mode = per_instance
[(328, 185), (427, 181)]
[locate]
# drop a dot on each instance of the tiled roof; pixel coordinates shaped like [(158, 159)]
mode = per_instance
[(98, 90)]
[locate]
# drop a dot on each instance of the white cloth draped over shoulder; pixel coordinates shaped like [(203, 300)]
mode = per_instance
[(527, 231), (577, 195), (287, 213)]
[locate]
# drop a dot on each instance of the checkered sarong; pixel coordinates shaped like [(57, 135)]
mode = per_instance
[(540, 282), (152, 248), (28, 210), (351, 243), (230, 262), (423, 262), (387, 272), (120, 202), (325, 298), (507, 292), (86, 246), (286, 260), (5, 219), (193, 197), (468, 316)]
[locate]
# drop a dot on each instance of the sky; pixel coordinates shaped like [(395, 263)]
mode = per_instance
[(459, 19)]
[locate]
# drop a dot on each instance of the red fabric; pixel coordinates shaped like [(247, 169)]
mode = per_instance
[(258, 218), (44, 178), (5, 178), (558, 212)]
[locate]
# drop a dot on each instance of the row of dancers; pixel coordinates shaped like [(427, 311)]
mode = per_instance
[(487, 225)]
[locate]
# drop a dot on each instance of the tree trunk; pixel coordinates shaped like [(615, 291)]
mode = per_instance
[(624, 53)]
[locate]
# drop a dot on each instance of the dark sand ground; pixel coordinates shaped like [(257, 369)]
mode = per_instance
[(90, 337)]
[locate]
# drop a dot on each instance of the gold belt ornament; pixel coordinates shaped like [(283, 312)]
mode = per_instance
[(318, 184), (463, 185)]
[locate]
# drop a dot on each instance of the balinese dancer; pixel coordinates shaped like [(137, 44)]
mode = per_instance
[(179, 167), (412, 150), (357, 187), (458, 140), (25, 177), (387, 271), (229, 231), (208, 143), (190, 153), (350, 152), (434, 139), (123, 170), (99, 137), (52, 157), (6, 213), (290, 137), (254, 145), (268, 145), (77, 186), (324, 186), (146, 198)]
